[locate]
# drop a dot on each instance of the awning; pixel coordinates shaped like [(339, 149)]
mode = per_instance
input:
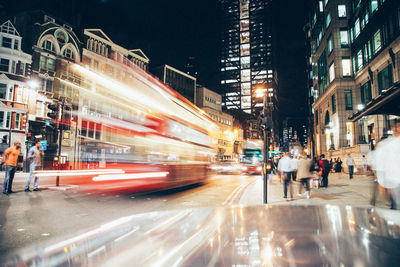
[(387, 103)]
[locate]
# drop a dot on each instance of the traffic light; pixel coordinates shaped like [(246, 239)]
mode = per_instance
[(66, 118), (53, 114)]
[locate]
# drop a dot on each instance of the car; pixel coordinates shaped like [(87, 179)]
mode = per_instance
[(227, 167)]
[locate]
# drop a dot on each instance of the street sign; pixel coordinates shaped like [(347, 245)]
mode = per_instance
[(44, 144)]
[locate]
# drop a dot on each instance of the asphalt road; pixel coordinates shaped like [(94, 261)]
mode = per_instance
[(27, 219)]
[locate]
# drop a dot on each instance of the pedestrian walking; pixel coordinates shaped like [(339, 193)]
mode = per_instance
[(293, 162), (350, 164), (35, 156), (338, 167), (324, 170), (10, 159), (285, 169), (385, 160), (364, 164), (305, 166)]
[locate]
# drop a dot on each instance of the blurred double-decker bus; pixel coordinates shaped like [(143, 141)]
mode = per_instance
[(133, 132)]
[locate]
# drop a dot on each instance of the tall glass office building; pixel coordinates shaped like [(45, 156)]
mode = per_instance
[(246, 54)]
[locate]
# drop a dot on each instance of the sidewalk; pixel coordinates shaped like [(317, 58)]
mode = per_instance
[(341, 191)]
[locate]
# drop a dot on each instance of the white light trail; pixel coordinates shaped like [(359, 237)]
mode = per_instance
[(130, 176)]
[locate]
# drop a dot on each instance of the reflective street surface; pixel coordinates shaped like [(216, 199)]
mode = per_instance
[(233, 236), (220, 223), (29, 218)]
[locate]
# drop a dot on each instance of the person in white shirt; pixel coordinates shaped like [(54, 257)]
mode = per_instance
[(285, 169), (350, 164), (385, 160)]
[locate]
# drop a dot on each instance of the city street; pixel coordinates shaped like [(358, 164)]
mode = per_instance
[(30, 218)]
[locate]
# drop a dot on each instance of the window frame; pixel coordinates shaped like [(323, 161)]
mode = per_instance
[(10, 42), (348, 101), (345, 11)]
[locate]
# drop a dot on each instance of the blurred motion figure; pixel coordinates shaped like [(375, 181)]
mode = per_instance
[(304, 167), (35, 156), (385, 159), (285, 169)]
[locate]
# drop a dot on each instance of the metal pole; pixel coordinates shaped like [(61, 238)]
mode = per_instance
[(265, 152), (60, 130), (265, 166), (10, 131)]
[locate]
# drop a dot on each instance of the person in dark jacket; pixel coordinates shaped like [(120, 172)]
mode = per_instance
[(324, 170)]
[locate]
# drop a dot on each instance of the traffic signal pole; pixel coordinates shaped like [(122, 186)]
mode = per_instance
[(60, 131)]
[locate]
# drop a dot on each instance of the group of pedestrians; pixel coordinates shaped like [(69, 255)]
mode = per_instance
[(290, 169), (10, 162), (302, 169)]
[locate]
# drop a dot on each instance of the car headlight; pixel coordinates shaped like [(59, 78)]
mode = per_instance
[(259, 168), (244, 168)]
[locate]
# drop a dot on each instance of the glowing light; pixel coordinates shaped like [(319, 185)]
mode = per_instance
[(78, 172), (33, 84), (130, 176), (360, 106)]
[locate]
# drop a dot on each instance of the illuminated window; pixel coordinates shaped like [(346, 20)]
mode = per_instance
[(245, 62), (359, 60), (245, 75), (342, 11), (356, 28), (244, 37), (244, 25), (331, 72), (374, 5), (330, 44), (244, 50), (377, 41), (346, 67), (344, 38), (328, 19)]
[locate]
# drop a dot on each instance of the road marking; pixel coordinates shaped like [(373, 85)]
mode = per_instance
[(20, 229), (62, 188), (45, 234), (238, 191)]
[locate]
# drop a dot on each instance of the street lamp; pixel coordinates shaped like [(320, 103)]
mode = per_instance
[(266, 125)]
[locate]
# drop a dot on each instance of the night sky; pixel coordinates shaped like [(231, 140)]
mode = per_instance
[(171, 31)]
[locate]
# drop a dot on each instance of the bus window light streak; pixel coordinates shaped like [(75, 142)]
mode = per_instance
[(130, 176), (78, 172)]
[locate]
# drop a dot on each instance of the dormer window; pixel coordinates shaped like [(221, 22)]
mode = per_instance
[(48, 45), (68, 53), (16, 44), (6, 42)]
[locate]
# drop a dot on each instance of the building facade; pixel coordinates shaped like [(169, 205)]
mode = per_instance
[(54, 47), (15, 71), (230, 137), (246, 54), (180, 81), (354, 48)]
